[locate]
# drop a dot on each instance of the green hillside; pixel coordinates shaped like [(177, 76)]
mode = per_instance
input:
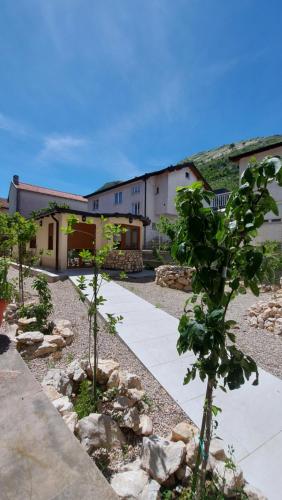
[(216, 166)]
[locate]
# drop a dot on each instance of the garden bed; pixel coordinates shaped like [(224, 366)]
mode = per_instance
[(164, 411)]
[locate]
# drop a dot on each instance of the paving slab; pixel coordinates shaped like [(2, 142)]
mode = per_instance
[(251, 418), (40, 458)]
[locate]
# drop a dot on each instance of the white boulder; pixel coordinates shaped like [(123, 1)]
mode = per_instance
[(184, 431), (104, 370), (145, 425), (58, 379), (99, 431), (71, 419), (130, 484), (76, 372), (161, 458), (30, 338), (63, 405), (44, 348)]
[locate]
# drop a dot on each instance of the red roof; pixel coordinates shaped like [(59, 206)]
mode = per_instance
[(50, 192), (4, 203)]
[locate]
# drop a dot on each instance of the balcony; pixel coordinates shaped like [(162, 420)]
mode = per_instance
[(220, 200)]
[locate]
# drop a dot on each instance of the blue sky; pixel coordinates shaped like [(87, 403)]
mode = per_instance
[(92, 91)]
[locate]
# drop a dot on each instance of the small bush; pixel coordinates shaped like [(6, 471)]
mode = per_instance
[(84, 403), (43, 309)]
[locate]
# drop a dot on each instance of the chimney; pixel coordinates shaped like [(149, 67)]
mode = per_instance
[(16, 180)]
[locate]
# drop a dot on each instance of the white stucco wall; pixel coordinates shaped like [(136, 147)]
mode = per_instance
[(29, 201), (270, 230), (107, 199)]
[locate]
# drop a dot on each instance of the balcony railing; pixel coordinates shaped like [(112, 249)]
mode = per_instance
[(220, 200)]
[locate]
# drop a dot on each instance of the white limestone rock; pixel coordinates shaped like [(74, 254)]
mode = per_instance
[(229, 480), (30, 338), (58, 379), (130, 485), (151, 491), (44, 348), (145, 425), (51, 392), (161, 458), (113, 381), (184, 431), (63, 405), (99, 431), (71, 419), (217, 449), (60, 325), (122, 403), (135, 394), (55, 339), (129, 380), (131, 420), (24, 323), (76, 372), (67, 335), (191, 451), (104, 370)]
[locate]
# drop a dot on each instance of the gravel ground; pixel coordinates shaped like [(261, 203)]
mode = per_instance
[(165, 413), (263, 346)]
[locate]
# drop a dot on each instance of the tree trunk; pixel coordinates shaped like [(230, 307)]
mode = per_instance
[(208, 434), (21, 284), (195, 479), (95, 332)]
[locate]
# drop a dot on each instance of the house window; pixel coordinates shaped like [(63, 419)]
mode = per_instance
[(118, 198), (96, 204), (157, 190), (135, 189), (32, 243), (135, 208), (187, 175), (51, 236)]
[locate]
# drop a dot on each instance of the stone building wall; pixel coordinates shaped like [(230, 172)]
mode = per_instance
[(125, 260), (177, 277)]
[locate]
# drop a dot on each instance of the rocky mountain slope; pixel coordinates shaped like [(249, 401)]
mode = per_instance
[(216, 166)]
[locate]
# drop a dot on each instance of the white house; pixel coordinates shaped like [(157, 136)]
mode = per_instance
[(272, 227), (26, 198), (150, 195)]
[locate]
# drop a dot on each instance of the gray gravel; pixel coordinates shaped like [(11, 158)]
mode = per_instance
[(165, 413), (263, 346)]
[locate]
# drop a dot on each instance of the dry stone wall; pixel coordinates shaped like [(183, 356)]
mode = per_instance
[(125, 260), (177, 277)]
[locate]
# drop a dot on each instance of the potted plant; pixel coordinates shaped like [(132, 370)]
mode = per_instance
[(6, 288)]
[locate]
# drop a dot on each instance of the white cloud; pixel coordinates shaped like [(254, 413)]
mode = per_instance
[(62, 147), (11, 126)]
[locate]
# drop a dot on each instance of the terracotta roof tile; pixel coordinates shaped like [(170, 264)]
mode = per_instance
[(50, 192), (4, 203)]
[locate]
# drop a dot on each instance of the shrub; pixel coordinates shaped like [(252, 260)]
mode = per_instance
[(84, 403), (43, 309)]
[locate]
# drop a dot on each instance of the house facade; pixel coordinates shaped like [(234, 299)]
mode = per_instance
[(60, 251), (272, 227), (150, 195), (26, 198)]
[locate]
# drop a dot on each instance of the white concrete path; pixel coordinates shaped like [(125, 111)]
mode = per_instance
[(251, 418)]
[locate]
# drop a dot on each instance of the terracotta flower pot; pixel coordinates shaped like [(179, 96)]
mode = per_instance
[(3, 305)]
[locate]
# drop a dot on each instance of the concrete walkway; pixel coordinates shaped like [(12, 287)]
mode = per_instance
[(251, 418), (40, 458)]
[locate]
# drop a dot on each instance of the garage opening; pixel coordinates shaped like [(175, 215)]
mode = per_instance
[(83, 238)]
